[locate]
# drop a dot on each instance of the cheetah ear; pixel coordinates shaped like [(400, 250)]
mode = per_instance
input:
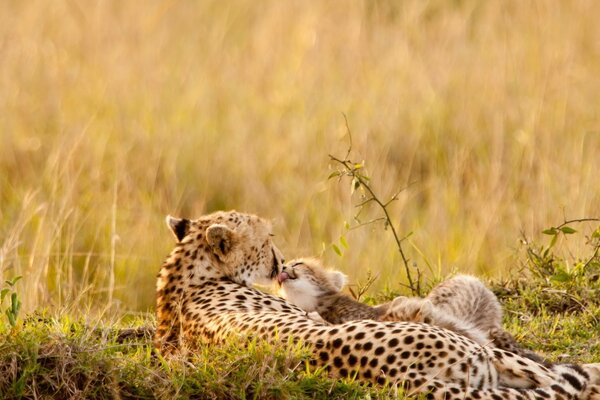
[(338, 279), (179, 226), (221, 239)]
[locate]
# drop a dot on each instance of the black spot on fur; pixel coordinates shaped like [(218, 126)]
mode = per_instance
[(573, 381)]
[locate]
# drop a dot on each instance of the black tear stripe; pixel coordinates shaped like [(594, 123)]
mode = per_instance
[(274, 269)]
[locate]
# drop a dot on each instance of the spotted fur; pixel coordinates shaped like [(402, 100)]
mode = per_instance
[(203, 294), (465, 297), (462, 304)]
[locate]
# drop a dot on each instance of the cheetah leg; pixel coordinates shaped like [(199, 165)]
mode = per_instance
[(515, 371), (518, 372)]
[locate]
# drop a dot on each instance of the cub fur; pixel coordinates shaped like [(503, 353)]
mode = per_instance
[(462, 304), (315, 289)]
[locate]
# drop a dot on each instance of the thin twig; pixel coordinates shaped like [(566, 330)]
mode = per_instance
[(363, 288), (349, 136), (579, 220), (367, 223), (571, 221), (352, 170)]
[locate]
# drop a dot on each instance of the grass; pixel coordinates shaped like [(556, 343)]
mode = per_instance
[(114, 114), (65, 357)]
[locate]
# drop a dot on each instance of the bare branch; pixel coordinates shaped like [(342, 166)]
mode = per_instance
[(349, 136), (571, 221), (350, 169), (367, 223)]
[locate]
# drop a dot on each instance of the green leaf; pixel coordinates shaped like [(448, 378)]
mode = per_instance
[(567, 230), (355, 185), (545, 252), (14, 301), (11, 318), (337, 250), (334, 174), (343, 242), (596, 233), (358, 166), (3, 294), (550, 231), (346, 225), (16, 279), (561, 276), (553, 241)]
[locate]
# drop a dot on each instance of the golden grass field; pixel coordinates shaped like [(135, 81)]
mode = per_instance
[(116, 113)]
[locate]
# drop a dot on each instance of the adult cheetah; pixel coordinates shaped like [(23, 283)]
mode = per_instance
[(203, 294)]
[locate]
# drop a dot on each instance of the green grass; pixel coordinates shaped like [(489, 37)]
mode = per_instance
[(60, 356), (113, 115), (64, 358)]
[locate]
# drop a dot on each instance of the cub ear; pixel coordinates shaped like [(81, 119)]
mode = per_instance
[(179, 226), (338, 279), (220, 238)]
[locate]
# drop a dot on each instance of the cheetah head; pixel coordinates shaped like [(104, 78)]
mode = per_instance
[(228, 244), (304, 281)]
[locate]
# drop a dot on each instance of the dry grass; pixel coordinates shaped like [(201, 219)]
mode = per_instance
[(113, 114)]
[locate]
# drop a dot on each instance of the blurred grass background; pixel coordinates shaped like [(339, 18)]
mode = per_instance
[(116, 113)]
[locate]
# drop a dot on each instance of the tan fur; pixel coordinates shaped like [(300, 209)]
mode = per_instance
[(314, 288), (466, 298), (416, 309), (462, 304), (204, 295)]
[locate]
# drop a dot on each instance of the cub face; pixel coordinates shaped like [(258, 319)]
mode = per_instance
[(304, 281)]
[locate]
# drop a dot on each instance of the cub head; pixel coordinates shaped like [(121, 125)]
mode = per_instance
[(227, 244), (304, 281)]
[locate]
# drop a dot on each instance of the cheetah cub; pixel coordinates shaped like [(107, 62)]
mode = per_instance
[(467, 299), (462, 304), (317, 290)]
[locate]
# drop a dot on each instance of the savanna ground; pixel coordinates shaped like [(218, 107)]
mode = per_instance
[(481, 116)]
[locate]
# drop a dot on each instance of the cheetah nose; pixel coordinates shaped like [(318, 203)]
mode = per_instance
[(282, 277)]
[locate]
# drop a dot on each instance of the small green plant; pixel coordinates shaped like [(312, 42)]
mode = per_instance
[(543, 262), (361, 181), (14, 306), (556, 282)]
